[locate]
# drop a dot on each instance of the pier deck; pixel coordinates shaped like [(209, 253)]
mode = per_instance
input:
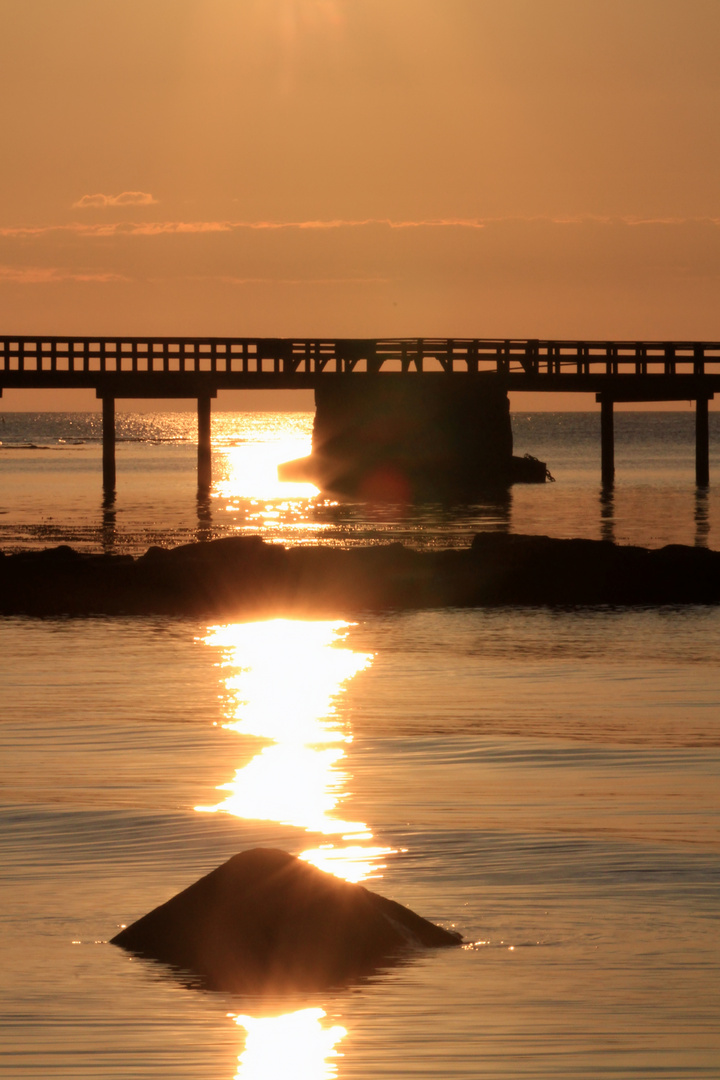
[(199, 367)]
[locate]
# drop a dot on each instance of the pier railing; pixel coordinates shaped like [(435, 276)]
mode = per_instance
[(41, 358)]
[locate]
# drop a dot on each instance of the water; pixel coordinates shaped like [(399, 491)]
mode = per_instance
[(544, 781), (50, 492)]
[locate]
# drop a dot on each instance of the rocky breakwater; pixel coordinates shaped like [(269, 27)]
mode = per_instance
[(245, 577), (267, 922)]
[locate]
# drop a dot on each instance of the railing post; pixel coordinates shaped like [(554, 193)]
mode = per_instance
[(702, 443), (698, 360), (607, 439), (108, 447), (204, 444)]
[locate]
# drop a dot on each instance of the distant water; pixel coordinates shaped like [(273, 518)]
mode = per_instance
[(50, 484), (548, 782)]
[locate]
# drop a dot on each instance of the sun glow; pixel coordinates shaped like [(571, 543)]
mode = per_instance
[(283, 678), (250, 471), (294, 1045), (303, 16)]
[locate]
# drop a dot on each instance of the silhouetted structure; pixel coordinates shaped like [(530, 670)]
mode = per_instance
[(347, 374), (404, 439)]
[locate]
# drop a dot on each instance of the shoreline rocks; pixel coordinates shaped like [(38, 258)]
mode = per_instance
[(267, 922), (246, 577)]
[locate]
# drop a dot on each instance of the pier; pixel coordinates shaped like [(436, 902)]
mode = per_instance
[(172, 368)]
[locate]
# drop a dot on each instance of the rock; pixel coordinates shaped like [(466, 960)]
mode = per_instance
[(243, 577), (267, 922)]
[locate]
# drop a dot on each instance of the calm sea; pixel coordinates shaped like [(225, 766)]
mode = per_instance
[(545, 781)]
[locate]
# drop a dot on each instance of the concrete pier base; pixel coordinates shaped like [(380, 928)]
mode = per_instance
[(403, 438)]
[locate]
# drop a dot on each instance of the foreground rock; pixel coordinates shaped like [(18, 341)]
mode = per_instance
[(245, 577), (266, 922)]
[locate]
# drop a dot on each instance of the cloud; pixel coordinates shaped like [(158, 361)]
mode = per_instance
[(165, 228), (226, 279), (170, 228), (47, 275), (340, 223), (125, 198), (670, 221)]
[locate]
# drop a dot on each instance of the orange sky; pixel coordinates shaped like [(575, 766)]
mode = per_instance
[(544, 168)]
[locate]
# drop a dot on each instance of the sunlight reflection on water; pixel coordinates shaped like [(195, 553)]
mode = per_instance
[(250, 470), (283, 678), (293, 1045)]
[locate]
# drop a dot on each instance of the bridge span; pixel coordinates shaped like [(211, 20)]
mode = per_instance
[(198, 367)]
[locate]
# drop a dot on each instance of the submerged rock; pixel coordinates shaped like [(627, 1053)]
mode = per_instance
[(267, 922)]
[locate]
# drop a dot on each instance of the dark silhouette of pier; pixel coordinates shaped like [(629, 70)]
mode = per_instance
[(173, 367)]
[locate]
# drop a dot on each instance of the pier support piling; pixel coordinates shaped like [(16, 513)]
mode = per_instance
[(108, 450), (204, 444), (607, 439), (702, 443), (401, 437)]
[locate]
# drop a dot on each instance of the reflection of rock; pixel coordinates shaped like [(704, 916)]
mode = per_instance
[(266, 922), (244, 577)]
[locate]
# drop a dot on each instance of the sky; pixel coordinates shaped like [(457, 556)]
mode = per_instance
[(489, 168)]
